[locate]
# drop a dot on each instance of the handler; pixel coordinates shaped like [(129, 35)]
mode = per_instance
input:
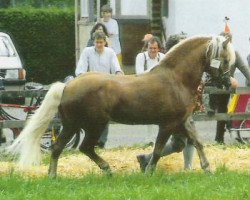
[(219, 102)]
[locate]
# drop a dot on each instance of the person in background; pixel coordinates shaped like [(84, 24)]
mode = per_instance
[(113, 30), (174, 39), (178, 142), (148, 59), (219, 102), (145, 40), (98, 27), (99, 58)]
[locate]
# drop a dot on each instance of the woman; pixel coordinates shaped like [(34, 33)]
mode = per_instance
[(99, 27)]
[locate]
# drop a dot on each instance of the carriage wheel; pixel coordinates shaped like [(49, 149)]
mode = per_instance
[(49, 138), (77, 140), (239, 138)]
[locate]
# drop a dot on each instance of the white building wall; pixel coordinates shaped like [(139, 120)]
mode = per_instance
[(206, 17)]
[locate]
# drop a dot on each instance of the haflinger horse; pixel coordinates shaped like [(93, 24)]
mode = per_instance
[(164, 96)]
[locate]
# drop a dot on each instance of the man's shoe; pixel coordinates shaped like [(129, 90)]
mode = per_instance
[(142, 161)]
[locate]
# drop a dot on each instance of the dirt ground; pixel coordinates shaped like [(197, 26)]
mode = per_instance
[(124, 160)]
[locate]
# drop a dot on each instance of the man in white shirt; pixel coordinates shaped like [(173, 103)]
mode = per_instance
[(100, 59), (113, 30), (145, 61)]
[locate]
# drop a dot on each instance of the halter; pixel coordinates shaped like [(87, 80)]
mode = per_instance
[(216, 46)]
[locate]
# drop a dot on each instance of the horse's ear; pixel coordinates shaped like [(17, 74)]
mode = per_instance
[(224, 44)]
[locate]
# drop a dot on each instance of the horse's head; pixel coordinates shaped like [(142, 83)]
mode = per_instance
[(221, 56)]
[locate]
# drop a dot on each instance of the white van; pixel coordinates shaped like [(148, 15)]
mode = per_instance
[(12, 74)]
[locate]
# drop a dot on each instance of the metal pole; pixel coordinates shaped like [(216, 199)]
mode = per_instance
[(77, 43), (98, 10)]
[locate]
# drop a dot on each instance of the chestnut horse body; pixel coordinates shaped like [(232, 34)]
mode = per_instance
[(164, 96)]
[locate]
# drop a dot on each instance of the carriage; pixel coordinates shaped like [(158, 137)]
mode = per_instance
[(13, 116), (240, 103)]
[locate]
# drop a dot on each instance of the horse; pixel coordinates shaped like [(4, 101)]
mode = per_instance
[(163, 96)]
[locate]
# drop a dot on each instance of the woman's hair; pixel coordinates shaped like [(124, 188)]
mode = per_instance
[(96, 26)]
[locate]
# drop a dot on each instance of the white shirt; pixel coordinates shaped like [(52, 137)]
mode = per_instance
[(91, 60), (113, 31), (144, 61)]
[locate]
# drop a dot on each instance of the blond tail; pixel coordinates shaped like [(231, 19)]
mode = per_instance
[(27, 144)]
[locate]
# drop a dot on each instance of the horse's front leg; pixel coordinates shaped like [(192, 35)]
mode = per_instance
[(192, 134), (162, 137)]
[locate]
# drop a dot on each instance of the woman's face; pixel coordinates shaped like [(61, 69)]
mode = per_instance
[(99, 29)]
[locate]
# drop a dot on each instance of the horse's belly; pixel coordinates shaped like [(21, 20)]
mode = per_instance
[(146, 117)]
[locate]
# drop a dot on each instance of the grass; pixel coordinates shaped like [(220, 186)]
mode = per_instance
[(223, 184)]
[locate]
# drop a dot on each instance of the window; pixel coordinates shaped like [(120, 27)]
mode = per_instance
[(131, 9), (6, 48)]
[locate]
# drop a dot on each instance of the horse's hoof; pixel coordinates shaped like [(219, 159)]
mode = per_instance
[(143, 162), (207, 170), (52, 175), (150, 169), (188, 169), (108, 172)]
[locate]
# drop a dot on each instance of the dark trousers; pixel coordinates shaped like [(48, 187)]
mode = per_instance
[(104, 136), (2, 138), (219, 103)]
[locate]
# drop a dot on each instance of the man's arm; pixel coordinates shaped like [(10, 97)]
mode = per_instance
[(114, 30), (115, 66), (241, 66), (82, 65), (139, 63)]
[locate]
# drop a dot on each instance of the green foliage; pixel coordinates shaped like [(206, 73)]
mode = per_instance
[(44, 39), (225, 185), (38, 3)]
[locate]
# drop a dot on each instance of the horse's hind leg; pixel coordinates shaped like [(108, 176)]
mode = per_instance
[(192, 134), (88, 148), (57, 148)]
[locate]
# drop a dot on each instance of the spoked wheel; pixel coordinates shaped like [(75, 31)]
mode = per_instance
[(239, 138), (49, 138)]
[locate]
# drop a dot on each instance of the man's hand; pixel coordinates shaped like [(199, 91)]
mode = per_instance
[(234, 82)]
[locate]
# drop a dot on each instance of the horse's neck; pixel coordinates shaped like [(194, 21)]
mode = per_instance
[(190, 75), (189, 68)]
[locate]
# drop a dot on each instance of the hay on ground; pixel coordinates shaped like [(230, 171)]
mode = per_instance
[(124, 160)]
